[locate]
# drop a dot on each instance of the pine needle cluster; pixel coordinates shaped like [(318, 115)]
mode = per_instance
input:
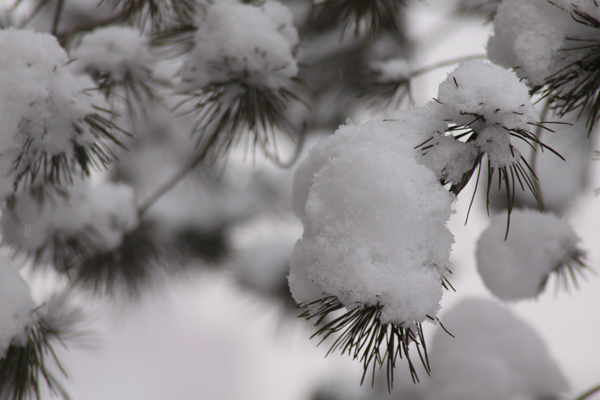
[(364, 17), (225, 112), (362, 335), (576, 86)]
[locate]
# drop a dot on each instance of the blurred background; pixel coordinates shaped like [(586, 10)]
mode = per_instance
[(225, 328)]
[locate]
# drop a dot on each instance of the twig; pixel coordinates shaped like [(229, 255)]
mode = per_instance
[(534, 151), (171, 183), (446, 63), (299, 146), (57, 14), (589, 393)]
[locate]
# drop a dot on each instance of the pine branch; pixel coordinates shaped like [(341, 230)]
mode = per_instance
[(511, 176), (224, 112), (382, 92), (157, 13), (137, 93), (363, 337), (374, 16), (39, 173), (24, 365), (568, 271), (130, 266), (57, 14), (587, 394), (576, 86), (175, 41)]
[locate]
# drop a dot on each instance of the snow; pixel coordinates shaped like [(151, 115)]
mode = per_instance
[(392, 70), (242, 43), (530, 35), (490, 100), (449, 158), (480, 88), (41, 102), (494, 356), (374, 222), (104, 212), (16, 306), (518, 267), (120, 52)]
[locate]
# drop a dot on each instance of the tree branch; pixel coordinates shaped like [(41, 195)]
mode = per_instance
[(589, 393), (57, 14)]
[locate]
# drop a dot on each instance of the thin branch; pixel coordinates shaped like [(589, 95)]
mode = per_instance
[(446, 63), (175, 179), (57, 14), (589, 393), (171, 183), (299, 146), (535, 147)]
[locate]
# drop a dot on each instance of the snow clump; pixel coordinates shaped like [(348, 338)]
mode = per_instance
[(242, 43), (528, 34), (537, 245), (113, 53), (98, 216), (374, 222), (493, 356), (492, 102), (43, 127), (16, 307), (531, 36)]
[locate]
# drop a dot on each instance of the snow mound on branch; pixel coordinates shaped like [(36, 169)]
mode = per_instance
[(101, 214), (16, 306), (528, 34), (518, 267), (119, 52), (487, 90), (449, 158), (242, 43), (531, 35), (41, 101), (374, 222), (491, 101), (493, 356)]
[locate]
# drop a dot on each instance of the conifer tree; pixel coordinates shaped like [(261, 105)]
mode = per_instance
[(119, 118)]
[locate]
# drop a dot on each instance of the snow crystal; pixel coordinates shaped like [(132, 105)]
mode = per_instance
[(493, 356), (242, 43), (118, 51), (16, 306), (41, 103), (518, 267), (104, 212), (374, 222)]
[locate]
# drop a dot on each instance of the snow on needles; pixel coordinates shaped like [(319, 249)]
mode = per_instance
[(119, 52), (493, 355), (372, 197), (42, 108), (16, 306), (492, 101), (98, 215), (374, 223), (531, 36), (242, 43), (537, 245)]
